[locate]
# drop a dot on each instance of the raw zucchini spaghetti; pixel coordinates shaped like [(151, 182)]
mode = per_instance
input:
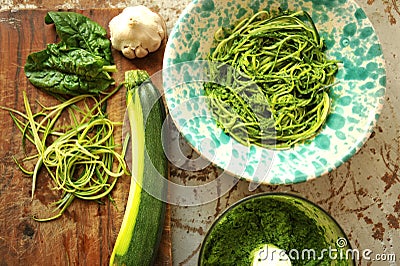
[(276, 79)]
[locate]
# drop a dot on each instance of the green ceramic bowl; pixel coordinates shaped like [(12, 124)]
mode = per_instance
[(357, 98), (269, 226)]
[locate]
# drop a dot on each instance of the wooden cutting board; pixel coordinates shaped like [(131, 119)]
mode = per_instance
[(86, 233)]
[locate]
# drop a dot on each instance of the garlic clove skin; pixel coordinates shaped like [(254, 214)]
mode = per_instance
[(128, 52), (140, 52), (137, 31)]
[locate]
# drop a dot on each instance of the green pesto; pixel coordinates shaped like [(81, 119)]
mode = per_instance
[(275, 92), (257, 222)]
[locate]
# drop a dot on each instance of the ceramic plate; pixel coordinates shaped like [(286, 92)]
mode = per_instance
[(356, 99)]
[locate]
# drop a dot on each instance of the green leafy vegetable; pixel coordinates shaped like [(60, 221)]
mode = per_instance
[(63, 70), (79, 63), (77, 30), (277, 94)]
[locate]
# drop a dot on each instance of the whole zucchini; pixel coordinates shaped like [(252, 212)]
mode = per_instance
[(140, 234)]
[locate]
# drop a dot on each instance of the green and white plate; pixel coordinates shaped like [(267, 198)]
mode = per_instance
[(356, 99)]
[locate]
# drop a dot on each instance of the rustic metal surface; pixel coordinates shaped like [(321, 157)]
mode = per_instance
[(363, 194)]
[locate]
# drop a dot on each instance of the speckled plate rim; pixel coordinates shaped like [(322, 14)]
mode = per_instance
[(357, 98)]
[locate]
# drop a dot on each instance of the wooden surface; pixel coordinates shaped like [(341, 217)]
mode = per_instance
[(86, 233)]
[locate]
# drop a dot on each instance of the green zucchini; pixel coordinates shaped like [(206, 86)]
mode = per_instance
[(140, 234)]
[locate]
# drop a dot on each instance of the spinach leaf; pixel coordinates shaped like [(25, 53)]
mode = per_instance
[(79, 63), (63, 70), (77, 30)]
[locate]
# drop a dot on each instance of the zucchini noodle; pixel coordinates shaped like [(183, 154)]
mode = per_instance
[(81, 158), (276, 79)]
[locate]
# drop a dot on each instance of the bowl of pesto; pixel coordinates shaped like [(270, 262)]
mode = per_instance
[(275, 92), (275, 229)]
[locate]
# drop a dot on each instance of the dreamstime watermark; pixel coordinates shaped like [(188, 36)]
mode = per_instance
[(341, 252)]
